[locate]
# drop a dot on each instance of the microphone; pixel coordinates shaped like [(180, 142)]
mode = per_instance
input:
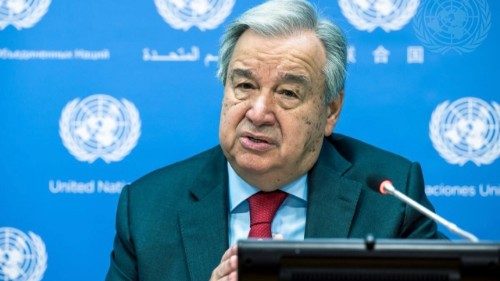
[(386, 187)]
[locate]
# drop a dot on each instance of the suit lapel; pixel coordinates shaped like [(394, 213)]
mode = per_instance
[(332, 197), (203, 221)]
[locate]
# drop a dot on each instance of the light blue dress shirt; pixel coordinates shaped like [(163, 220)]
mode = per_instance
[(290, 220)]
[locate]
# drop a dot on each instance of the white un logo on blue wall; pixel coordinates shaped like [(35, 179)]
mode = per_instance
[(467, 129), (100, 126), (452, 25), (22, 13), (184, 14), (369, 14), (22, 257)]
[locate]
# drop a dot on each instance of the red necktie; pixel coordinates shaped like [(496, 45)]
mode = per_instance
[(263, 207)]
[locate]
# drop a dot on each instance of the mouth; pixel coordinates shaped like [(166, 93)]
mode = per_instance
[(257, 142)]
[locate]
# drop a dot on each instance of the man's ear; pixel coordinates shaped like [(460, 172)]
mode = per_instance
[(334, 108)]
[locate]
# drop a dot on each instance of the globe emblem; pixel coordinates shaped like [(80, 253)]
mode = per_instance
[(453, 25), (466, 130), (22, 257), (387, 14), (184, 14), (22, 13), (100, 126)]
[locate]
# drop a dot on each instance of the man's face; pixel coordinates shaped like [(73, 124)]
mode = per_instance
[(273, 117)]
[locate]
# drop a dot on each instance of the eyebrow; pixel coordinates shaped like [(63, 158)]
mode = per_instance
[(245, 73), (297, 79)]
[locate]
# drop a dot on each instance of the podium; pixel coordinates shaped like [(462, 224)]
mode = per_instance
[(368, 259)]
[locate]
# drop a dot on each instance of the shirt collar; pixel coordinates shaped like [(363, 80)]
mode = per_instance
[(240, 190)]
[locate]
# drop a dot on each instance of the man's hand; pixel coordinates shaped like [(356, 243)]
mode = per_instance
[(226, 270)]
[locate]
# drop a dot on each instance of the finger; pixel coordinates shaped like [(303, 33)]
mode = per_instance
[(233, 276), (218, 273), (228, 266), (233, 263), (233, 250)]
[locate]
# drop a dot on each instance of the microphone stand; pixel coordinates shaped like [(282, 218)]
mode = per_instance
[(386, 187)]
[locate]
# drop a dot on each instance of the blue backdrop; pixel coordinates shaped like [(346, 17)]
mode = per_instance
[(94, 94)]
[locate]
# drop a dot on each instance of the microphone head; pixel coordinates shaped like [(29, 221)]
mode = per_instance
[(382, 188)]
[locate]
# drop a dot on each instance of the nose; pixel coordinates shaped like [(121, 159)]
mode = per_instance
[(261, 112)]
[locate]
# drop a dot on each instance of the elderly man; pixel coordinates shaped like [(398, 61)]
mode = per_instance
[(278, 171)]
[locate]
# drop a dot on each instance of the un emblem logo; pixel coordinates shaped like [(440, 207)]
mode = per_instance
[(452, 25), (22, 257), (468, 129), (184, 14), (387, 14), (99, 126), (22, 13)]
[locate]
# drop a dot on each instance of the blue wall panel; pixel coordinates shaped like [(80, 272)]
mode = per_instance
[(126, 59)]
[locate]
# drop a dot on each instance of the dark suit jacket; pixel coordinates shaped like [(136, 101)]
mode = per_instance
[(172, 224)]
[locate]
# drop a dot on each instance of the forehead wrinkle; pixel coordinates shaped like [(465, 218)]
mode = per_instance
[(310, 63), (284, 63), (277, 59), (288, 60), (288, 51), (287, 69)]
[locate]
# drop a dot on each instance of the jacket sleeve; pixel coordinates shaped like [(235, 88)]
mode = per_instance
[(415, 224), (123, 265)]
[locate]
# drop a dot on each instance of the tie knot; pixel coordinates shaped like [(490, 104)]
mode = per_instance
[(263, 207)]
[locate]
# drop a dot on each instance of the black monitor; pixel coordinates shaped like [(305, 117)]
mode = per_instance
[(369, 259)]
